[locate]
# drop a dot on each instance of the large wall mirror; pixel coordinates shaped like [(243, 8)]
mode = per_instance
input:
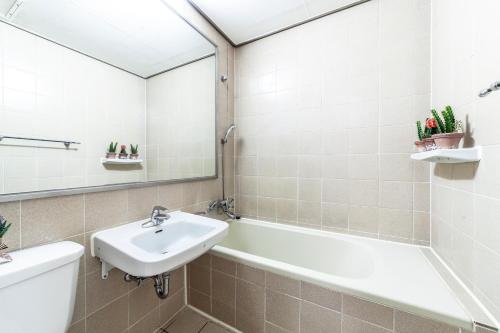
[(77, 75)]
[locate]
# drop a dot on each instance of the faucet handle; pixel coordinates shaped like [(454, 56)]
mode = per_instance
[(159, 209)]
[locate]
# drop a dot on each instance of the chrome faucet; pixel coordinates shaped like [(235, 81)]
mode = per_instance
[(157, 217), (226, 206)]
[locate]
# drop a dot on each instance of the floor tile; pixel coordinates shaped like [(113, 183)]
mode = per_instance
[(187, 321)]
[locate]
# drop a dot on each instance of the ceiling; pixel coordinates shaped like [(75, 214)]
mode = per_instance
[(246, 20), (144, 37)]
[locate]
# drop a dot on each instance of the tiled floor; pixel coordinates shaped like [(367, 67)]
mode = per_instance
[(189, 321)]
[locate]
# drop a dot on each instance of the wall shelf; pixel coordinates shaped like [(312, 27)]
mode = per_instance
[(128, 161), (462, 155)]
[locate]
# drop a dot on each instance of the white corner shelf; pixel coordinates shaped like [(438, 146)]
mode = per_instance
[(462, 155), (121, 161)]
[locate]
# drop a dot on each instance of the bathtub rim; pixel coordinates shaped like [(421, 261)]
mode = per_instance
[(323, 280)]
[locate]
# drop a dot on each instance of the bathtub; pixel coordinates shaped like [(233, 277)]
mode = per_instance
[(393, 274)]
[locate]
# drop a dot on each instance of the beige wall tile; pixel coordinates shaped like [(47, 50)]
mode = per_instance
[(200, 300), (104, 209), (310, 190), (335, 215), (223, 265), (364, 192), (113, 318), (199, 278), (46, 220), (321, 296), (250, 305), (223, 311), (170, 196), (171, 305), (251, 274), (397, 195), (365, 219), (353, 325), (100, 292), (147, 324), (142, 300), (309, 213), (12, 212), (282, 284), (78, 327), (271, 328), (421, 197), (283, 310), (408, 323), (141, 202), (223, 288), (315, 318), (397, 167), (371, 312), (396, 223)]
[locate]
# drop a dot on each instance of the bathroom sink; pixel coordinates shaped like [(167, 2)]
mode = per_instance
[(145, 252)]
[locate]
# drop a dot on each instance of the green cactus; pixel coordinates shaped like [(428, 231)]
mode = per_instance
[(134, 149), (441, 126), (449, 118), (420, 133), (4, 226), (112, 147)]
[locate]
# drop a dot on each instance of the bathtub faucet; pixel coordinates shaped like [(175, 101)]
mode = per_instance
[(225, 205)]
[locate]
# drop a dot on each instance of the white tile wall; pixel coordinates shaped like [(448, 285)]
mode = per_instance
[(466, 198), (48, 91), (326, 117), (181, 122)]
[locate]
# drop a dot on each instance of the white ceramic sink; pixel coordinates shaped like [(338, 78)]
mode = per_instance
[(145, 252)]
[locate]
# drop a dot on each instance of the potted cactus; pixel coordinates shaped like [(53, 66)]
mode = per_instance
[(420, 145), (134, 152), (450, 134), (431, 128), (123, 152), (111, 153), (4, 227)]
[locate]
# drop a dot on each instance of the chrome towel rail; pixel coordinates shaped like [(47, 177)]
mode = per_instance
[(64, 142), (494, 86)]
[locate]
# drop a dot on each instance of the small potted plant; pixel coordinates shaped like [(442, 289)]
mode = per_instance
[(123, 152), (431, 128), (420, 133), (134, 152), (449, 128), (111, 153), (4, 227)]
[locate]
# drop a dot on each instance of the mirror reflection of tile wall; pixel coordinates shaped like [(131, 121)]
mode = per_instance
[(50, 91), (180, 104)]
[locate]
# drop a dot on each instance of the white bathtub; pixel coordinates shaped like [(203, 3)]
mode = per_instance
[(389, 273)]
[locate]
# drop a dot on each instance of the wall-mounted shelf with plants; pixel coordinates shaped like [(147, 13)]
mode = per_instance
[(123, 157), (461, 155), (439, 140), (121, 160)]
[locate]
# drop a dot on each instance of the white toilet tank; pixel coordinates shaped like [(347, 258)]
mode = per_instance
[(37, 289)]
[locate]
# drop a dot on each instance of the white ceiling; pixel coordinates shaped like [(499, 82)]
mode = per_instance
[(244, 20), (143, 37)]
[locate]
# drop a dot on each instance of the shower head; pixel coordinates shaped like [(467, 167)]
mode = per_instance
[(228, 132), (493, 87)]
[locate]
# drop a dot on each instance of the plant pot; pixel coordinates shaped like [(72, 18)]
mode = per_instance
[(429, 144), (110, 155), (123, 156), (420, 145), (448, 140), (134, 156)]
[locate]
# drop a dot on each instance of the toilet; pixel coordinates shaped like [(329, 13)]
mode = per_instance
[(37, 289)]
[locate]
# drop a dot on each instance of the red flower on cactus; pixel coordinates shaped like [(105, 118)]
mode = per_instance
[(122, 147), (431, 123)]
